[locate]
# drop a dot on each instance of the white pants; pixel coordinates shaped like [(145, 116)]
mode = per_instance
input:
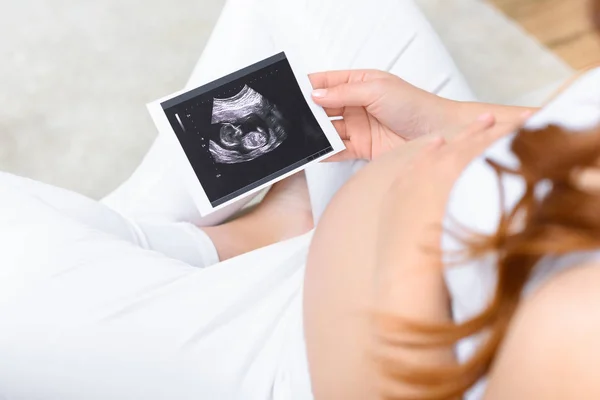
[(86, 314)]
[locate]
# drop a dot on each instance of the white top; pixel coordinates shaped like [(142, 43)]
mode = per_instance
[(85, 313)]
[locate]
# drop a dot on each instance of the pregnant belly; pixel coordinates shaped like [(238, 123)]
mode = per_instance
[(338, 285)]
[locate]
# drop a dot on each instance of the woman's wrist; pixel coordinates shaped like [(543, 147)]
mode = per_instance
[(437, 116), (446, 118)]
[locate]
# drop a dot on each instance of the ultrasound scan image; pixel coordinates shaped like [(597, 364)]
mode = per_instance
[(247, 128), (250, 127)]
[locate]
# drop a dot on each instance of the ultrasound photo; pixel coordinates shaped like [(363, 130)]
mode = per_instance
[(249, 129)]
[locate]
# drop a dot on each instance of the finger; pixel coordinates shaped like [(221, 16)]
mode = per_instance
[(435, 142), (335, 112), (475, 145), (354, 94), (526, 115), (345, 155), (469, 143), (497, 129), (358, 130), (473, 141), (320, 80), (505, 128), (340, 127)]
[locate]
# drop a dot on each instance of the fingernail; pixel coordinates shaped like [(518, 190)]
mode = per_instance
[(485, 117), (319, 93)]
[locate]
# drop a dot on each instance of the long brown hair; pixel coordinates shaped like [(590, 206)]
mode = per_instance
[(565, 220)]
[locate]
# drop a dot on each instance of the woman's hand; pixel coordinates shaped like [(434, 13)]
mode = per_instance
[(380, 111)]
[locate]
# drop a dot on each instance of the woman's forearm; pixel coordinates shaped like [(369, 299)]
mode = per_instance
[(451, 117), (460, 114)]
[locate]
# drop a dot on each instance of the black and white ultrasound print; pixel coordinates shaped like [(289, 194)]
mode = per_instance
[(251, 126), (246, 129)]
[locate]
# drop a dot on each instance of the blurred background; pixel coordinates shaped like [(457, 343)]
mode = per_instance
[(76, 75)]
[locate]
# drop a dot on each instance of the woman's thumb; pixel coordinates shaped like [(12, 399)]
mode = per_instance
[(355, 94)]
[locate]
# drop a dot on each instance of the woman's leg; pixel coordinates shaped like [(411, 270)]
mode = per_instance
[(390, 35), (178, 240), (86, 315), (284, 213)]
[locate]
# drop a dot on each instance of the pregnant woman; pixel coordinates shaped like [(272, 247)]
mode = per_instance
[(460, 261)]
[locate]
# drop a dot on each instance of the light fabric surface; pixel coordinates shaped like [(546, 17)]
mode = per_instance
[(475, 203), (75, 76)]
